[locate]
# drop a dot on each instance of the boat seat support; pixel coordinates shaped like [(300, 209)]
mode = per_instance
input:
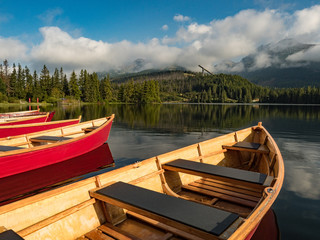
[(194, 218)]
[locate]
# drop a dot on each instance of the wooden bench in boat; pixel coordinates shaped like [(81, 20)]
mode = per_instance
[(50, 139), (8, 148), (194, 218), (205, 170), (248, 147), (10, 235)]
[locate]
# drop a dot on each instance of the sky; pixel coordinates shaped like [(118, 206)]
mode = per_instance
[(104, 35)]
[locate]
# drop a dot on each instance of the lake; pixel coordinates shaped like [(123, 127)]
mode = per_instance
[(140, 132)]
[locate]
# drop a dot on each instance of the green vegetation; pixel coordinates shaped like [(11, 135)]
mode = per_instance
[(19, 84)]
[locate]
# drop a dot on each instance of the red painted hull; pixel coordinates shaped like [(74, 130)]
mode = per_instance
[(19, 114), (26, 121), (267, 229), (30, 114), (33, 119), (51, 114), (42, 179), (38, 157), (6, 131)]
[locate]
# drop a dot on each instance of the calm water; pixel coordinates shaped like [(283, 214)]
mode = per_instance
[(142, 132)]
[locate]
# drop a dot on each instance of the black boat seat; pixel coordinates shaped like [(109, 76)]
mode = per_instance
[(49, 139), (10, 235), (219, 172), (154, 205), (8, 148), (248, 146)]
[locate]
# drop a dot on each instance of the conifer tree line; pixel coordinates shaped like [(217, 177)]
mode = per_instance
[(18, 83)]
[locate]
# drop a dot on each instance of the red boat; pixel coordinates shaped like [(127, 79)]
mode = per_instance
[(22, 114), (27, 119), (14, 130), (19, 113), (35, 150)]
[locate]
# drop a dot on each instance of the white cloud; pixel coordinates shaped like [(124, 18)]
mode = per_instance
[(193, 43), (306, 24), (12, 50), (165, 27), (312, 55), (58, 48), (181, 18)]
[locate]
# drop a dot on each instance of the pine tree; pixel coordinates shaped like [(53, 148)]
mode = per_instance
[(74, 87), (13, 81), (37, 91), (20, 84), (56, 90), (29, 83), (65, 86), (45, 82)]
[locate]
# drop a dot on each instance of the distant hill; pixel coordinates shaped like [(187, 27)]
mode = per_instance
[(271, 66)]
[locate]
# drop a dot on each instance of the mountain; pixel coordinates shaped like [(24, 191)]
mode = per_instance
[(283, 64), (140, 69)]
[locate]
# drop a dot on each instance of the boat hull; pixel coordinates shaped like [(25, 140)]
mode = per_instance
[(20, 113), (33, 127), (36, 158), (42, 179), (27, 120)]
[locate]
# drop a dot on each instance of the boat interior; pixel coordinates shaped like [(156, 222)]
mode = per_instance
[(49, 136), (216, 189)]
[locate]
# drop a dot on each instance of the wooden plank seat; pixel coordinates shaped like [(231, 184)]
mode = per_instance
[(9, 148), (248, 146), (10, 235), (51, 139), (199, 219), (205, 170)]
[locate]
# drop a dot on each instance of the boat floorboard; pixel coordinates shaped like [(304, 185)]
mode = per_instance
[(226, 197), (135, 227)]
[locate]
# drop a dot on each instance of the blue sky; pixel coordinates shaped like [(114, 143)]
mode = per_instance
[(103, 35)]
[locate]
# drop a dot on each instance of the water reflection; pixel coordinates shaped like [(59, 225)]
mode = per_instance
[(140, 132), (42, 179), (307, 167)]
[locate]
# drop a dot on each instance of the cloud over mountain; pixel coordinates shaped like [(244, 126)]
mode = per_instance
[(208, 44)]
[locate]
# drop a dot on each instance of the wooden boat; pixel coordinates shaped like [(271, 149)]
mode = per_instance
[(19, 113), (47, 117), (14, 130), (35, 150), (216, 189)]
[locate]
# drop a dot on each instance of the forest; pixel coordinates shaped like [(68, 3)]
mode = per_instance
[(19, 84)]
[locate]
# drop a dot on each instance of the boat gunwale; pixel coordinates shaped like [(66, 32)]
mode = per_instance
[(20, 112), (37, 124), (271, 194), (21, 119)]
